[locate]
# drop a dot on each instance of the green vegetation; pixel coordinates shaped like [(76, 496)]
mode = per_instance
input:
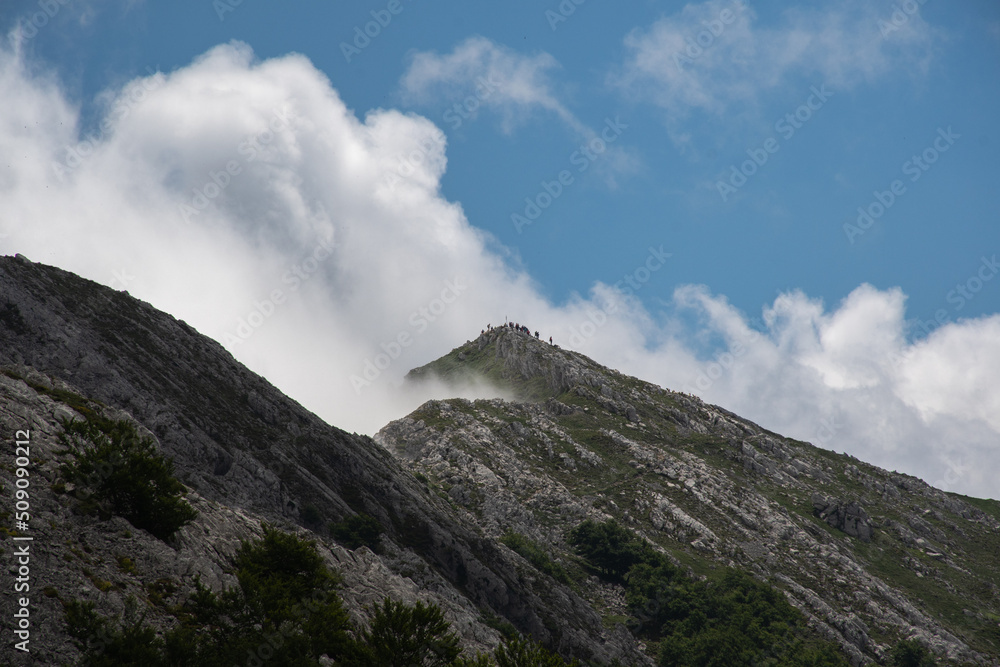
[(356, 531), (82, 405), (520, 653), (535, 555), (910, 654), (106, 644), (402, 635), (610, 548), (285, 611), (117, 472), (728, 619)]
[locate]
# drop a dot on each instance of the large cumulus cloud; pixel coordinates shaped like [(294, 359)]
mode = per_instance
[(246, 198)]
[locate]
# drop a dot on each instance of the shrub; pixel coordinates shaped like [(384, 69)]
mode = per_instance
[(311, 516), (732, 619), (106, 644), (611, 548), (402, 635), (286, 605), (910, 653), (285, 611), (737, 620), (356, 531), (522, 653), (120, 473)]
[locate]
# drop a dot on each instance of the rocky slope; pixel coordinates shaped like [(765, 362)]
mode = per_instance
[(248, 453), (870, 556)]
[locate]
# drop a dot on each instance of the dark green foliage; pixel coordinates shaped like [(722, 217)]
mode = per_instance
[(356, 531), (730, 620), (106, 644), (501, 625), (522, 653), (535, 555), (611, 548), (401, 636), (910, 653), (735, 620), (117, 472), (285, 610), (311, 516), (415, 533), (649, 590), (10, 317)]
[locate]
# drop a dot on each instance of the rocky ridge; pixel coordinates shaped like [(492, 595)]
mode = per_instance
[(248, 453), (870, 556)]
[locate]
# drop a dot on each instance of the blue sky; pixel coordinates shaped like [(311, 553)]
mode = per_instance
[(739, 138)]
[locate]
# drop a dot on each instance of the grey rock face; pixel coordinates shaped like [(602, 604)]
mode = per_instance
[(849, 517), (241, 444), (869, 556), (701, 483)]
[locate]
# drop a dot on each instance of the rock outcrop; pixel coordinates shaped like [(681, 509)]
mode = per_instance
[(241, 445), (849, 517), (869, 556)]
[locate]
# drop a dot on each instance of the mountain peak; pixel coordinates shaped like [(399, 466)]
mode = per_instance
[(516, 361), (478, 500), (869, 555)]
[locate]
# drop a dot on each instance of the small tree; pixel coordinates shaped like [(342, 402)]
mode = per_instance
[(910, 653), (403, 636), (356, 531), (523, 653), (120, 473), (611, 548)]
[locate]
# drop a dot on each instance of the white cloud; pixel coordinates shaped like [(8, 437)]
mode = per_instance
[(847, 379), (718, 55), (487, 75), (365, 267), (480, 74)]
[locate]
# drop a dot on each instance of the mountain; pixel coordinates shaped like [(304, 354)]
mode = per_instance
[(479, 500)]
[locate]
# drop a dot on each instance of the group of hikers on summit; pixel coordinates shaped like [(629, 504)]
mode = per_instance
[(516, 327)]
